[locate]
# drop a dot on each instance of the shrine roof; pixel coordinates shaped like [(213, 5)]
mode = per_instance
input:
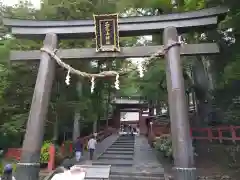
[(132, 101)]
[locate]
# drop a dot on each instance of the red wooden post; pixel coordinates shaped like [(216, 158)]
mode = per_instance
[(210, 135), (51, 161), (233, 132), (70, 147), (63, 148), (220, 135)]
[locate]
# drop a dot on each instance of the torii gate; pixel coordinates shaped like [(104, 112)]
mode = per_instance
[(28, 167)]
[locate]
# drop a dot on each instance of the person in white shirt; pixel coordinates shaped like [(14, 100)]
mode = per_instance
[(92, 146)]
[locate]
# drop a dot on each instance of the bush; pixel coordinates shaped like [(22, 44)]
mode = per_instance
[(163, 144), (44, 156), (1, 168)]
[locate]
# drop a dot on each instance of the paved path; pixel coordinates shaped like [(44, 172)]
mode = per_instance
[(145, 158), (145, 161)]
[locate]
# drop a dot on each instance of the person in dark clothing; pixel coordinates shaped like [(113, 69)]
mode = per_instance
[(78, 149), (7, 173)]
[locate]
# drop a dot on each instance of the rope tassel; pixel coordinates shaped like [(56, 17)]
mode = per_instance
[(117, 82), (67, 81), (140, 69), (92, 84)]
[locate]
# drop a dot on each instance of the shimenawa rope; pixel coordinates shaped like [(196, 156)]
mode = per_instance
[(70, 69)]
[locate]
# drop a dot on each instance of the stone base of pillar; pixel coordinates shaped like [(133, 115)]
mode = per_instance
[(185, 173), (27, 171)]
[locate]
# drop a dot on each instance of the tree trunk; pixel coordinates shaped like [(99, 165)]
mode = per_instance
[(77, 115), (158, 107), (55, 130), (151, 108), (94, 126), (76, 128)]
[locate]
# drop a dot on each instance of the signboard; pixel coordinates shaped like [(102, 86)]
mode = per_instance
[(106, 32)]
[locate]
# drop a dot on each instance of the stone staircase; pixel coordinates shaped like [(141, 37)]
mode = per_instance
[(130, 158), (119, 154)]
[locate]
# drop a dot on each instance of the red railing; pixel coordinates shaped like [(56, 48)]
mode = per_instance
[(217, 133), (100, 136), (228, 133), (15, 153)]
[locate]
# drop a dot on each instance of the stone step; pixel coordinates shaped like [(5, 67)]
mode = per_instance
[(124, 145), (133, 172), (124, 142), (127, 136), (124, 139), (118, 156), (121, 146), (120, 143), (114, 162), (118, 152), (126, 177), (120, 149)]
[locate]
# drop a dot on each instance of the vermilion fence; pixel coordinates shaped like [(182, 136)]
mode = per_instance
[(100, 136), (227, 133), (15, 153), (223, 133)]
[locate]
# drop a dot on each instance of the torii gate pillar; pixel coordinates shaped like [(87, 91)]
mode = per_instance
[(181, 140), (29, 166)]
